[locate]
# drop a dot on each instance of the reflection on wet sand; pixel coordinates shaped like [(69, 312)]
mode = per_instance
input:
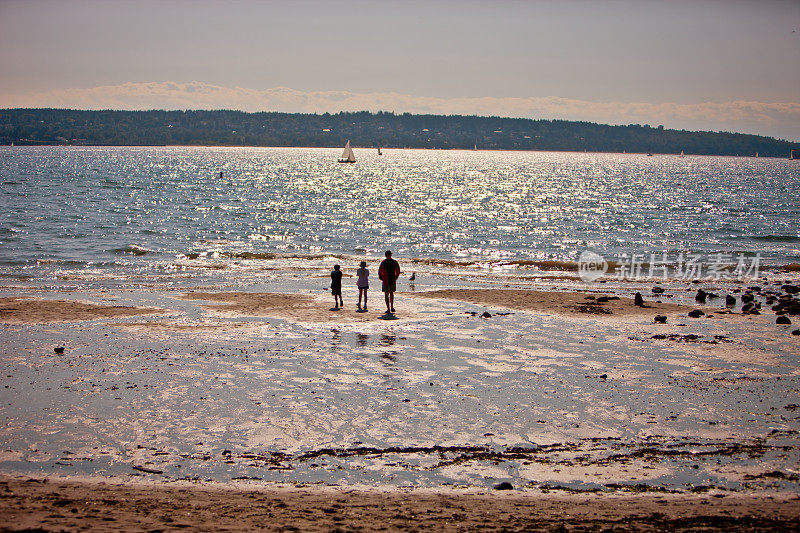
[(456, 394)]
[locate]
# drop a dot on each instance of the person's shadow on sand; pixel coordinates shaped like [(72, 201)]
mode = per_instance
[(387, 316)]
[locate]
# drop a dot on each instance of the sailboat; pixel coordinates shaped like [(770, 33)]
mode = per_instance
[(347, 155), (681, 154)]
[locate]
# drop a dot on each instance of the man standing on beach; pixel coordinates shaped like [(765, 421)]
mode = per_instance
[(388, 272)]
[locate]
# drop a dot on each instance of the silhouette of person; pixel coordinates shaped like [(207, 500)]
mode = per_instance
[(336, 287), (362, 283), (388, 272)]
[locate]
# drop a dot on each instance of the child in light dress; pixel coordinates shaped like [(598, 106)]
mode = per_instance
[(362, 282)]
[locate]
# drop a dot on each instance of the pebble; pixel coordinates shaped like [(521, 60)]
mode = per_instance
[(638, 300), (730, 301), (783, 320), (660, 319), (697, 313), (505, 485), (59, 349)]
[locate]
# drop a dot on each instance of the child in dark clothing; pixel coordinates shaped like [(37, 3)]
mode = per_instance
[(336, 287)]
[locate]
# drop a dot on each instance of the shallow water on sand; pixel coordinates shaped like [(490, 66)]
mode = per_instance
[(444, 399)]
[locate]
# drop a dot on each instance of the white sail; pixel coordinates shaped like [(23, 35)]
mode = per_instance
[(347, 155)]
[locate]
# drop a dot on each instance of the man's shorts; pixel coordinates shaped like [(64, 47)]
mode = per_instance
[(389, 287), (336, 291)]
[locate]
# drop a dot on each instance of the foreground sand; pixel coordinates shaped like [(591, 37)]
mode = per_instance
[(206, 393), (27, 504)]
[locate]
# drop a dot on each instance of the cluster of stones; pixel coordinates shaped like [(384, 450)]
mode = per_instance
[(783, 302)]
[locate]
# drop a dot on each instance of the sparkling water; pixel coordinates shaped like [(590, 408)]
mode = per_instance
[(120, 211)]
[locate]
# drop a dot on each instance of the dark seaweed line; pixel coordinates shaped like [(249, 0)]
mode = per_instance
[(753, 450)]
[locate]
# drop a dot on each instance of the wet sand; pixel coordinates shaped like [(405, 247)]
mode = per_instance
[(311, 309), (295, 307), (26, 504), (209, 417), (21, 310), (569, 303)]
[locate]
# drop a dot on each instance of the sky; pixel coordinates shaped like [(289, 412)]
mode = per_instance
[(704, 64)]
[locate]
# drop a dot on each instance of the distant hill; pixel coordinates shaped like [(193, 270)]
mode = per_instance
[(389, 130)]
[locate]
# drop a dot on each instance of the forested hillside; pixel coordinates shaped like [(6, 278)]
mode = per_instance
[(389, 130)]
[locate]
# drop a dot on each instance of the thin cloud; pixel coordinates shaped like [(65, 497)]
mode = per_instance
[(773, 119)]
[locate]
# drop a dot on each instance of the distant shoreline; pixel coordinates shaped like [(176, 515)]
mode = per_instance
[(357, 149), (364, 129)]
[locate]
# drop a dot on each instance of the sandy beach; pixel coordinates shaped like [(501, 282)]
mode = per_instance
[(561, 303), (231, 410), (305, 308), (58, 505), (22, 310)]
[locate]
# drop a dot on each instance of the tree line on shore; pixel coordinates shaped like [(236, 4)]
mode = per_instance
[(364, 129)]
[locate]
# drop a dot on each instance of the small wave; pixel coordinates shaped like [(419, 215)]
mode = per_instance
[(249, 255), (539, 264), (131, 249), (12, 262), (262, 255), (546, 264), (533, 264), (63, 262), (776, 238), (442, 262), (213, 254)]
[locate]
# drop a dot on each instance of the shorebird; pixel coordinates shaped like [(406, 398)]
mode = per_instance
[(413, 276)]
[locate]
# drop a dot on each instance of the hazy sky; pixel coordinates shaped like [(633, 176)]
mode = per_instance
[(695, 64)]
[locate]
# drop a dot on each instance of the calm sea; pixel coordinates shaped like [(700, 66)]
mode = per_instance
[(121, 211)]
